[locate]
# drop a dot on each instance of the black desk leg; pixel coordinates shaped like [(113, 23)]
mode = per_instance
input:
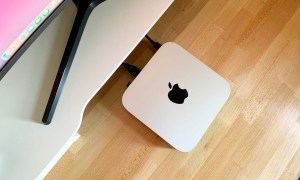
[(84, 9)]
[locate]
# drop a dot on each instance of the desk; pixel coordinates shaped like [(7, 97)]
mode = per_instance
[(29, 149)]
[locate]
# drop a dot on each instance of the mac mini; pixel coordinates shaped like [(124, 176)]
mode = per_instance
[(177, 96)]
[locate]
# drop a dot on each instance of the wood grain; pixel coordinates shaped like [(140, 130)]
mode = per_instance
[(255, 46)]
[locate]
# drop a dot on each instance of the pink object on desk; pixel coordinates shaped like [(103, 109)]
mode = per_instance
[(18, 20)]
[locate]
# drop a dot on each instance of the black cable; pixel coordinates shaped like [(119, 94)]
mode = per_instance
[(133, 70), (156, 45)]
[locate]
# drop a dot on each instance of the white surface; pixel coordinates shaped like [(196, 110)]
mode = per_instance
[(181, 125), (28, 148)]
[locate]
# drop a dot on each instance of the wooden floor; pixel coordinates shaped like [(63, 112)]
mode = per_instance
[(255, 45)]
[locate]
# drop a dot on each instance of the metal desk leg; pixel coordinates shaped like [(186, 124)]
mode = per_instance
[(84, 9)]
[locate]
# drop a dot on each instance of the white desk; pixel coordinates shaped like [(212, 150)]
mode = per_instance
[(29, 149)]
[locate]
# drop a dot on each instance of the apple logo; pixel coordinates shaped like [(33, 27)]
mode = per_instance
[(177, 95)]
